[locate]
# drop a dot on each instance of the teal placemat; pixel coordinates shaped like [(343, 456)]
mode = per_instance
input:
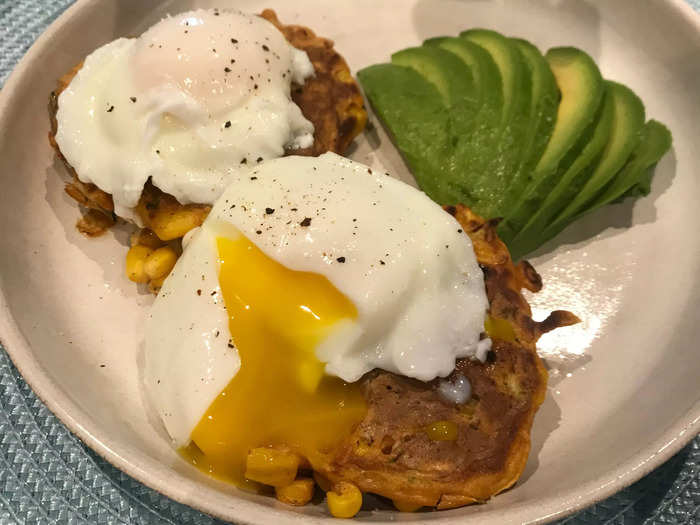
[(48, 476)]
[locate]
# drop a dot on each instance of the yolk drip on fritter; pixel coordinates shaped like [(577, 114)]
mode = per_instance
[(280, 395)]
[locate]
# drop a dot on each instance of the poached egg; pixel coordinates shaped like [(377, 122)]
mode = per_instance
[(307, 274), (196, 98)]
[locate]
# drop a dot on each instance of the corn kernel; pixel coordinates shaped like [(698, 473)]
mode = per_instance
[(160, 262), (271, 467), (360, 119), (146, 237), (135, 262), (298, 492), (343, 75), (499, 329), (169, 225), (406, 506), (442, 431), (345, 500)]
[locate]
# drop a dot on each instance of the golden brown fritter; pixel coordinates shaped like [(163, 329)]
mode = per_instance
[(331, 100), (393, 454)]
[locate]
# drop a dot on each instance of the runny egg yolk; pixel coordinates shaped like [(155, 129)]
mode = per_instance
[(280, 395)]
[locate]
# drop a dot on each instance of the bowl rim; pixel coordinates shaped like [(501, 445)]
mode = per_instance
[(130, 460)]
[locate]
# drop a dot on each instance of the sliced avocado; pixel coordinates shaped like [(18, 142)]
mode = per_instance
[(581, 90), (474, 152), (515, 78), (449, 74), (569, 182), (487, 78), (628, 121), (641, 188), (452, 79), (417, 117), (654, 143), (544, 101), (635, 178), (486, 185)]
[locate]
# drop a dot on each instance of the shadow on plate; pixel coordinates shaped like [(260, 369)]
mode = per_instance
[(547, 421)]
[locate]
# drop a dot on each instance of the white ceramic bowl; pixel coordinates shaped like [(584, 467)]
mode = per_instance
[(624, 392)]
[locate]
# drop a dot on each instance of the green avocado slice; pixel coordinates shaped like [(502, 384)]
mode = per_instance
[(515, 79), (569, 182), (473, 153), (634, 178), (488, 183), (581, 90), (628, 121), (416, 115), (543, 113), (655, 142), (485, 74), (636, 174), (454, 82)]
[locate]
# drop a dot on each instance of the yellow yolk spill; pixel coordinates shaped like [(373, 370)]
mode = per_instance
[(280, 395)]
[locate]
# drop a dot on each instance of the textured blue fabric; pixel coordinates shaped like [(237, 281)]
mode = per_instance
[(48, 476)]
